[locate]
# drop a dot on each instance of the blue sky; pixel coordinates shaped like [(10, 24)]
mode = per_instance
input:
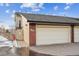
[(7, 10)]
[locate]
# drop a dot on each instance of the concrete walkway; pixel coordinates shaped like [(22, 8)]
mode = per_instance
[(69, 49)]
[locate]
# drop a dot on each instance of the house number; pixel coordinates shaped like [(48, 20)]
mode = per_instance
[(32, 30)]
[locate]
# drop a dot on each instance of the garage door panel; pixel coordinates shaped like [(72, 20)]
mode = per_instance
[(52, 35), (76, 33)]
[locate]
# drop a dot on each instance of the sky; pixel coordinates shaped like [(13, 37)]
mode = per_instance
[(7, 10)]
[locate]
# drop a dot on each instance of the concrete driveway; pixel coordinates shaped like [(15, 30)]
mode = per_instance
[(69, 49)]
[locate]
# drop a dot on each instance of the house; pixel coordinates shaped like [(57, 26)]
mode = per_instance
[(38, 29)]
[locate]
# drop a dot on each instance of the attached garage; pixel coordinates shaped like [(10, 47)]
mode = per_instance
[(48, 29), (48, 34)]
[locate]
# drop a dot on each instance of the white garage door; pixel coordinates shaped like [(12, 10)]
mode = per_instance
[(76, 33), (52, 34)]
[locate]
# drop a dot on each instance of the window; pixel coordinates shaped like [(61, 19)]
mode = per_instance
[(18, 24)]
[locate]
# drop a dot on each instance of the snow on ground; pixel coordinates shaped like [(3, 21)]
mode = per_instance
[(5, 42), (6, 47)]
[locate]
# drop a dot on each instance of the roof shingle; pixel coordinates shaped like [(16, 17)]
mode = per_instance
[(49, 18)]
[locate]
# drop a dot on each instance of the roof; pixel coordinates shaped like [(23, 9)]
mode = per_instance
[(48, 18)]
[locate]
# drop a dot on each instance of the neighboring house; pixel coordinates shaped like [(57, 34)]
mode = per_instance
[(37, 29), (5, 33)]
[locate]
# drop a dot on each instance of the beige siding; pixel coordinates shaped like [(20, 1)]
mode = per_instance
[(49, 34), (19, 35), (25, 26), (22, 35), (19, 32), (76, 33), (17, 18), (20, 38)]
